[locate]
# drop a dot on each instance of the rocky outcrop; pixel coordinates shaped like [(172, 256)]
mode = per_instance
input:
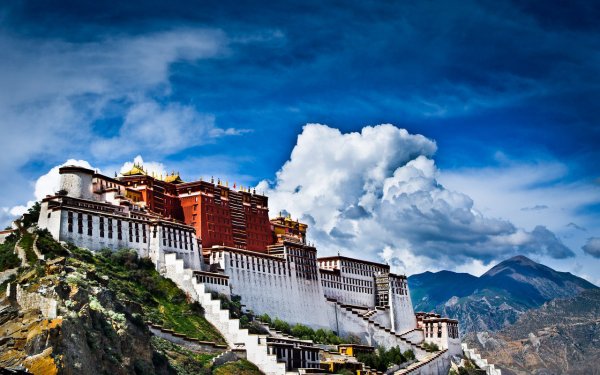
[(561, 337)]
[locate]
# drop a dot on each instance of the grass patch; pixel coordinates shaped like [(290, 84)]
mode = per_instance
[(184, 362), (319, 336), (26, 243), (241, 367), (135, 279), (48, 246)]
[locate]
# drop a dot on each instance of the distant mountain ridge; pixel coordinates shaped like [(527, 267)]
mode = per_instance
[(496, 298), (560, 337)]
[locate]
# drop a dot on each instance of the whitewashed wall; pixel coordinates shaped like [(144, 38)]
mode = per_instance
[(274, 289)]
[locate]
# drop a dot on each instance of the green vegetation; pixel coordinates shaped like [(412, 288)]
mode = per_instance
[(241, 367), (265, 318), (184, 362), (31, 216), (320, 336), (8, 257), (382, 359), (430, 347), (48, 246), (27, 245), (136, 279)]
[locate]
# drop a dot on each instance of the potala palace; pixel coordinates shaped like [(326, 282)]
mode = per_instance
[(208, 237)]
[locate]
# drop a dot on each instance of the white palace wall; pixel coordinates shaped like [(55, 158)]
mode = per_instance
[(401, 308), (269, 285)]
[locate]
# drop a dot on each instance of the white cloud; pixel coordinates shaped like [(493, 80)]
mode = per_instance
[(159, 129), (529, 194), (376, 194), (53, 92)]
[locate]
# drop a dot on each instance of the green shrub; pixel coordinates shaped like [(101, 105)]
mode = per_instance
[(31, 216), (48, 246), (265, 318), (430, 347), (282, 326), (382, 359), (8, 257)]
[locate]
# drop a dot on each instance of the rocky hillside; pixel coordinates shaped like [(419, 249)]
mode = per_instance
[(561, 337), (79, 313), (495, 299)]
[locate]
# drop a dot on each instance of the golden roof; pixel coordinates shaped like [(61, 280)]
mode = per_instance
[(137, 170), (173, 178)]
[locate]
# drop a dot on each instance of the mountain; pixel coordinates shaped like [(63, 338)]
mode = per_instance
[(560, 337), (495, 299)]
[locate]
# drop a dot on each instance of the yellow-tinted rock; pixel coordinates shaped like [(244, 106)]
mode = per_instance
[(41, 364)]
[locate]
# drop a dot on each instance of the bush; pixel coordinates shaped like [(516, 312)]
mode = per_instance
[(8, 257), (282, 326), (48, 246), (430, 347), (382, 359), (31, 216), (303, 332), (265, 318)]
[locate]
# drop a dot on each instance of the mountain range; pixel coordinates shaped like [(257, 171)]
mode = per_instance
[(560, 337), (495, 299)]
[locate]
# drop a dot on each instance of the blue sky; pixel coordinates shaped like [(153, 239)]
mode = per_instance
[(508, 92)]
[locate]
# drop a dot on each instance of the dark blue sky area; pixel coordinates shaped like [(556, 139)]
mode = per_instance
[(478, 77)]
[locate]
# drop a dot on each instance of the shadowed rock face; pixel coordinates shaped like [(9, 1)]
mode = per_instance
[(495, 299), (560, 337)]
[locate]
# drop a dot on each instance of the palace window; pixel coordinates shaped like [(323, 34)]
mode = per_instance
[(80, 223), (119, 230), (110, 228), (101, 226), (89, 222), (70, 221)]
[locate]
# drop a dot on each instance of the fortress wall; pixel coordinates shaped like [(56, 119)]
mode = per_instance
[(436, 364), (351, 324), (147, 240), (401, 308), (270, 286), (346, 292), (382, 317)]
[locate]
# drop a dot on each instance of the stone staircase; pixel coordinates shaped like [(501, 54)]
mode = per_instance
[(417, 349), (21, 253), (426, 366), (37, 251), (236, 337), (369, 313)]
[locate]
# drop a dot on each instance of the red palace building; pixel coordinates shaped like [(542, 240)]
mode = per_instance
[(220, 215)]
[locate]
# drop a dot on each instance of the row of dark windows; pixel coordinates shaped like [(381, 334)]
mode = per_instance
[(136, 231)]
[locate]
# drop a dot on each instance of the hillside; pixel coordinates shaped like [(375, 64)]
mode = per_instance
[(103, 304), (561, 337), (495, 299)]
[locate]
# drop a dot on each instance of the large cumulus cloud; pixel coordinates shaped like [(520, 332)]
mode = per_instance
[(376, 194)]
